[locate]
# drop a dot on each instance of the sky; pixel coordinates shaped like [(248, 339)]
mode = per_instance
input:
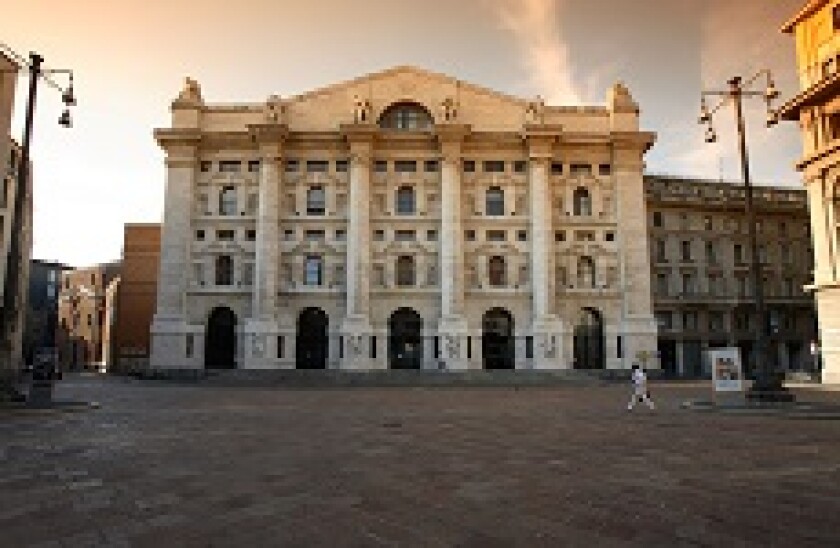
[(130, 57)]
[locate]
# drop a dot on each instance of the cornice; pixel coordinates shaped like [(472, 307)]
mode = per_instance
[(452, 132), (168, 137), (268, 133)]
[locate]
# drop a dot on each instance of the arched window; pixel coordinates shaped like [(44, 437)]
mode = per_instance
[(495, 201), (583, 203), (586, 272), (405, 200), (224, 270), (316, 201), (227, 201), (405, 270), (497, 271), (313, 269), (406, 117)]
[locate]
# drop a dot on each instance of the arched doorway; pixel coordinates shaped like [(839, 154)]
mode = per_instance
[(589, 340), (312, 343), (497, 346), (220, 339), (405, 339)]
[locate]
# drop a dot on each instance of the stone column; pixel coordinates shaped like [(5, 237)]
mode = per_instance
[(452, 326), (357, 325), (261, 329), (169, 328), (546, 326)]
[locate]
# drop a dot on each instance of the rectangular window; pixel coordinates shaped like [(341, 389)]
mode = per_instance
[(469, 235), (431, 235), (341, 347), (251, 234), (253, 166), (711, 255), (340, 235), (469, 347), (519, 166), (289, 234), (657, 219), (253, 203), (619, 347), (437, 347), (405, 166), (685, 246), (580, 169), (224, 235), (663, 320), (341, 166), (560, 236), (707, 223), (315, 235), (522, 235), (556, 168), (230, 166), (494, 166), (605, 169), (313, 270), (317, 166), (469, 166), (373, 347), (189, 345), (206, 166), (496, 236), (529, 347), (431, 166), (280, 349), (609, 236), (199, 235), (379, 235), (662, 284), (405, 235), (689, 320), (739, 254), (248, 274), (292, 166), (380, 166)]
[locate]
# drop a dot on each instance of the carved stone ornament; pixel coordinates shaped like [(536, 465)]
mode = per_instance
[(274, 110), (549, 345), (257, 346), (453, 346), (448, 110), (361, 110), (191, 92), (535, 111)]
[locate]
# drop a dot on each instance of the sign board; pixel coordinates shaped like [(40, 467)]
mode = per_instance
[(727, 374)]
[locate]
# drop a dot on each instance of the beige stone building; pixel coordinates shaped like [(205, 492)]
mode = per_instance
[(404, 219), (700, 276), (817, 108)]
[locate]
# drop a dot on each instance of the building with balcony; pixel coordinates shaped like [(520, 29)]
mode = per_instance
[(817, 108), (404, 219), (700, 272)]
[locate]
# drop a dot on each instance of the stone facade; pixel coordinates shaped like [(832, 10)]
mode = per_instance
[(702, 289), (817, 108), (81, 315), (403, 219)]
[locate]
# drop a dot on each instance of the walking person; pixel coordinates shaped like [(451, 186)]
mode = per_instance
[(640, 389)]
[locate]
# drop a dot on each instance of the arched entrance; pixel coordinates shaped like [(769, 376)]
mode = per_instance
[(405, 339), (312, 343), (497, 346), (220, 339), (589, 340)]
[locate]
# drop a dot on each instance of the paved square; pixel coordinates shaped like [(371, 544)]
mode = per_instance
[(163, 464)]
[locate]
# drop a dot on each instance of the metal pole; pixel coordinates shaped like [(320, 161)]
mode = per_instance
[(764, 379), (10, 311)]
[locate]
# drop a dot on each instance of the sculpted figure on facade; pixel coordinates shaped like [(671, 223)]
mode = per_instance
[(453, 346), (535, 111), (361, 110), (274, 110), (449, 110)]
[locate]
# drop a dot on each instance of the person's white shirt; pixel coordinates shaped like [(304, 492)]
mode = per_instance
[(639, 379)]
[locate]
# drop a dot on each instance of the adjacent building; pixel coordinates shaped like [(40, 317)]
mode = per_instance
[(81, 315), (817, 108), (42, 307), (404, 219), (700, 274), (135, 298)]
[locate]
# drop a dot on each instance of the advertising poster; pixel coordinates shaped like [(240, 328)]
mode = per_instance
[(727, 375)]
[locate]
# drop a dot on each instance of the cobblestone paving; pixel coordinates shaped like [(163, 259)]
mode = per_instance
[(173, 465)]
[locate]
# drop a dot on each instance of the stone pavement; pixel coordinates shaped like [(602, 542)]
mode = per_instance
[(173, 465)]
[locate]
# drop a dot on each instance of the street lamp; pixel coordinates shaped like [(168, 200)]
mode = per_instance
[(768, 384), (9, 312)]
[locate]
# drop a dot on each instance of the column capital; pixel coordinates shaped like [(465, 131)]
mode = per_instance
[(540, 140)]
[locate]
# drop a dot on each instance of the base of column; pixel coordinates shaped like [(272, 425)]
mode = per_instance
[(548, 343), (260, 344), (453, 333), (357, 332), (169, 343)]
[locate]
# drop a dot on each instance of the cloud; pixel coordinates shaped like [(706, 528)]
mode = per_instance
[(533, 24)]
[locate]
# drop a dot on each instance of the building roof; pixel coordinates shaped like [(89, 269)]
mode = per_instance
[(807, 10)]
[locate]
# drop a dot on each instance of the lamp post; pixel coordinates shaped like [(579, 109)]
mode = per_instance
[(10, 312), (768, 384)]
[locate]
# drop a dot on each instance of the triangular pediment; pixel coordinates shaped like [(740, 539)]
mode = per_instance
[(482, 108)]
